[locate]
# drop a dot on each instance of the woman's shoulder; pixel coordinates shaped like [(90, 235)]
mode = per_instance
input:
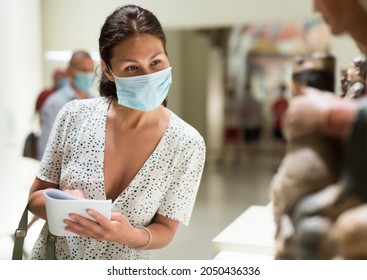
[(184, 132), (82, 106), (89, 103)]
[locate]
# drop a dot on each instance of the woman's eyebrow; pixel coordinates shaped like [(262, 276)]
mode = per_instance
[(135, 61)]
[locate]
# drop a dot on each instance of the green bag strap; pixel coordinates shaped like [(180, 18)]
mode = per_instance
[(20, 234), (50, 247)]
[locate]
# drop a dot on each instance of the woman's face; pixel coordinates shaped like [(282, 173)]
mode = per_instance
[(139, 55)]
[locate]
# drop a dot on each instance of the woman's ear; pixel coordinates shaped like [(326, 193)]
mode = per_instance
[(107, 71)]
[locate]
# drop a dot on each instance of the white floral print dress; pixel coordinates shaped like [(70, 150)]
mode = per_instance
[(166, 184)]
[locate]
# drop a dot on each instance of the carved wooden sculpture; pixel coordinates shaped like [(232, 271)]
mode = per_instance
[(356, 78), (320, 196), (316, 189)]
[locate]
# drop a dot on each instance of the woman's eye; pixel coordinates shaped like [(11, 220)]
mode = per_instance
[(131, 68), (155, 62)]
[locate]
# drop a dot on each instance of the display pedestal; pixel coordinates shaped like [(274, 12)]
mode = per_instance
[(250, 236)]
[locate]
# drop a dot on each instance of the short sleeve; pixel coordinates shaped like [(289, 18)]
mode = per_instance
[(181, 195)]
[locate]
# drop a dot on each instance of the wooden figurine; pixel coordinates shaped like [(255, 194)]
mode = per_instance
[(356, 78), (319, 195), (344, 84), (311, 163), (314, 70)]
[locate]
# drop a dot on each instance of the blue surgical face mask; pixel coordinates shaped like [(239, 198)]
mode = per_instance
[(84, 81), (145, 92)]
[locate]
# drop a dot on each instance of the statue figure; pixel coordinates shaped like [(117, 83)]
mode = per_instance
[(314, 70), (315, 184), (319, 194), (356, 78), (330, 223), (344, 83), (311, 162)]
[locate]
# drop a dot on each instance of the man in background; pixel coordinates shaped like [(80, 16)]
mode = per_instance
[(81, 73)]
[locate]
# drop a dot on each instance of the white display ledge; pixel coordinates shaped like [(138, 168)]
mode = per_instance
[(225, 255), (250, 236)]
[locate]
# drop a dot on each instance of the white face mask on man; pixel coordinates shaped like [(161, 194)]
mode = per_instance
[(144, 92)]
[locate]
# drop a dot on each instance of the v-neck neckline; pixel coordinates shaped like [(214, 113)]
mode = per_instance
[(146, 163)]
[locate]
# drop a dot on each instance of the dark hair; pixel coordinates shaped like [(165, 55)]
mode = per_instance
[(125, 22), (322, 80), (315, 70)]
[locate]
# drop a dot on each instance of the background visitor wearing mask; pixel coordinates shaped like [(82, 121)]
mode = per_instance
[(81, 73)]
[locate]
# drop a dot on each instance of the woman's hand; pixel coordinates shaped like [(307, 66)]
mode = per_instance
[(77, 193), (119, 229)]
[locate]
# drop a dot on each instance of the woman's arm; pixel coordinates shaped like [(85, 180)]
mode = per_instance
[(157, 234), (163, 230), (36, 199)]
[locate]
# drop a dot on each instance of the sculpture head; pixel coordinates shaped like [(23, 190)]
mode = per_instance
[(314, 70)]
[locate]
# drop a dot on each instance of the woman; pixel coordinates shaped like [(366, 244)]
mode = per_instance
[(123, 146)]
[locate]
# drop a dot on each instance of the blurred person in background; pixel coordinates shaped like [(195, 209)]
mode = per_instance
[(279, 107), (81, 73), (60, 78), (232, 139), (251, 122)]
